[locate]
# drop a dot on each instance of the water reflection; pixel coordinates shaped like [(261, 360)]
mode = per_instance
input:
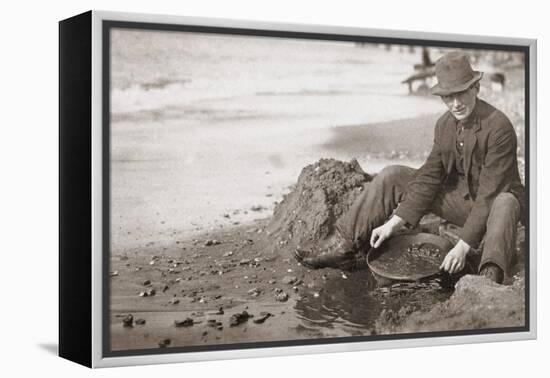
[(352, 305), (344, 303)]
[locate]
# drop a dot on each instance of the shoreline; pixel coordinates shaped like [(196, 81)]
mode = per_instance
[(179, 196)]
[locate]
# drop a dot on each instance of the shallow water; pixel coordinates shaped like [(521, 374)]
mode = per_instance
[(353, 305)]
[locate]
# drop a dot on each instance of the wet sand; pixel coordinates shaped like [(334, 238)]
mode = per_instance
[(241, 273), (219, 274)]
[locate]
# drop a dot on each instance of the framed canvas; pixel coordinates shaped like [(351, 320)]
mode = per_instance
[(232, 189)]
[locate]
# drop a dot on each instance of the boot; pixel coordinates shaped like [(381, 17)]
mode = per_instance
[(337, 253), (493, 272)]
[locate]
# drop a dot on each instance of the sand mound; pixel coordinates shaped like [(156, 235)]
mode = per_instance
[(324, 191)]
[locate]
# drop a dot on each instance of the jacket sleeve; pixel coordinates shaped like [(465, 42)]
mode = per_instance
[(494, 178), (424, 187)]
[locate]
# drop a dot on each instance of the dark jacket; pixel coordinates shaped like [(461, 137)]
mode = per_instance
[(491, 167)]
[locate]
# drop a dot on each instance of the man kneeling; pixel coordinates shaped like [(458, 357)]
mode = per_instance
[(470, 178)]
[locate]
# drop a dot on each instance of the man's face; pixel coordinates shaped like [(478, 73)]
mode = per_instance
[(461, 104)]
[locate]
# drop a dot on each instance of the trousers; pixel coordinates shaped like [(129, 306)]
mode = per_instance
[(380, 197)]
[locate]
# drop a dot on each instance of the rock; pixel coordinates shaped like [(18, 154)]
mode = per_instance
[(258, 208), (148, 293), (214, 323), (239, 318), (227, 254), (140, 321), (164, 343), (263, 317), (174, 301), (114, 273), (211, 242), (289, 280), (187, 322), (254, 292), (281, 297), (146, 282), (271, 282), (245, 262), (220, 311), (128, 321), (477, 303)]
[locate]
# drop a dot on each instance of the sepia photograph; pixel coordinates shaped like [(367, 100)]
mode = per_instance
[(279, 190)]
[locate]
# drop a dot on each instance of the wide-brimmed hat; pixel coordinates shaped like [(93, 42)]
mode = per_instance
[(454, 74)]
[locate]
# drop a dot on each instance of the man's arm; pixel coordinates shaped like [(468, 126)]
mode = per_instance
[(419, 198)]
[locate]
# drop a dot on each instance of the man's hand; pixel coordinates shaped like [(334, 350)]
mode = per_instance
[(380, 234), (455, 260)]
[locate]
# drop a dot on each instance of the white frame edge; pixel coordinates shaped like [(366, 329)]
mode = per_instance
[(97, 211)]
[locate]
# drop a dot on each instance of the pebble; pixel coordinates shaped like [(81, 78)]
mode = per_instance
[(113, 274), (187, 322), (254, 292), (263, 317), (174, 301), (164, 343), (128, 321), (148, 293), (211, 242), (146, 283), (239, 318), (140, 321), (214, 323), (289, 280), (281, 297)]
